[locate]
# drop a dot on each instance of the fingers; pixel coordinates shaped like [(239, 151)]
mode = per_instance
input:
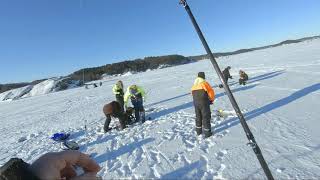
[(88, 164), (46, 167), (68, 172), (87, 176), (59, 165), (80, 159)]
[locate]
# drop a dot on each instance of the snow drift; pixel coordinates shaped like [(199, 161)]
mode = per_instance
[(15, 93), (44, 87)]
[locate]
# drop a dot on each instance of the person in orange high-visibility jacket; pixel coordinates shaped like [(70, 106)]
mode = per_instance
[(203, 96)]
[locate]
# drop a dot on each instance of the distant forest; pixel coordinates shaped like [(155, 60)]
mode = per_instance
[(137, 65), (140, 65), (95, 73), (205, 56)]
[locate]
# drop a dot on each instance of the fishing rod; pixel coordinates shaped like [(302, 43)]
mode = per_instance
[(252, 141)]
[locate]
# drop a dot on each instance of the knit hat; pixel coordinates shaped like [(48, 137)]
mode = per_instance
[(201, 75)]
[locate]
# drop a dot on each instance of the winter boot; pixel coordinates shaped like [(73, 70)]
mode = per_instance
[(207, 133), (106, 130), (142, 116), (199, 130)]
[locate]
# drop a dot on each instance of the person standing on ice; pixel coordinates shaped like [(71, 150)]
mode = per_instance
[(118, 92), (136, 95), (226, 75), (203, 95)]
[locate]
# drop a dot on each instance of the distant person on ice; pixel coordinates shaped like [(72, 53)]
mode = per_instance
[(243, 77), (226, 75), (114, 109), (136, 95), (203, 96), (118, 92)]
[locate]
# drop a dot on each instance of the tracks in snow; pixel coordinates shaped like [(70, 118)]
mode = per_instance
[(160, 148), (164, 148)]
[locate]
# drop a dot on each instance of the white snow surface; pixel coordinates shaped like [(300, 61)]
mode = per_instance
[(15, 93), (44, 87), (281, 104), (129, 73)]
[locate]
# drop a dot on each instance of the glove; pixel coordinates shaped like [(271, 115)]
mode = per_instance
[(231, 77), (120, 92)]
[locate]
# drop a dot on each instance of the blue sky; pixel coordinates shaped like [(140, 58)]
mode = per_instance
[(44, 38)]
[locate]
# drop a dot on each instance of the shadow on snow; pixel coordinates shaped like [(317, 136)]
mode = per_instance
[(190, 104), (182, 173), (122, 150), (98, 141), (311, 150), (269, 107), (251, 80)]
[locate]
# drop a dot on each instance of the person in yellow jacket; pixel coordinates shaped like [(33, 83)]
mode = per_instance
[(203, 95), (136, 94), (118, 92)]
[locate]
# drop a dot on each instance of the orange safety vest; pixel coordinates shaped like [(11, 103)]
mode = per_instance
[(204, 85)]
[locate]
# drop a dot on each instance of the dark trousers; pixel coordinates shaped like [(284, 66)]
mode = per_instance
[(121, 118), (138, 109), (227, 79), (119, 99), (221, 85), (203, 118), (107, 123), (242, 81)]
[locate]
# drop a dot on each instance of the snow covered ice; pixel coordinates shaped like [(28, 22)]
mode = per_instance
[(281, 104)]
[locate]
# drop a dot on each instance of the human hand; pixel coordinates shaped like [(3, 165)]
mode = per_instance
[(60, 166)]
